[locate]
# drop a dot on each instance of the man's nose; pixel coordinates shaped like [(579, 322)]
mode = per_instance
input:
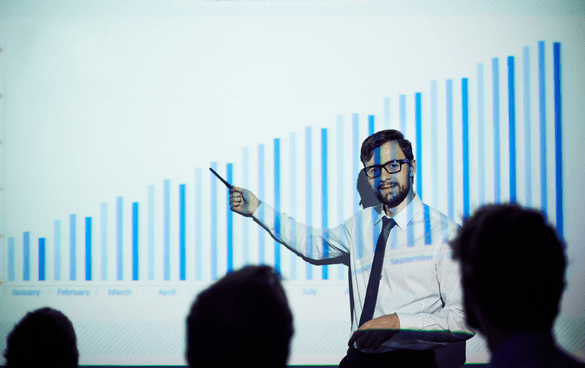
[(384, 175)]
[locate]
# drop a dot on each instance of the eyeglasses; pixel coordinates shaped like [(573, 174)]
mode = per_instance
[(391, 167)]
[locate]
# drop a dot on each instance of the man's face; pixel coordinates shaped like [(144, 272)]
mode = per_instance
[(390, 189)]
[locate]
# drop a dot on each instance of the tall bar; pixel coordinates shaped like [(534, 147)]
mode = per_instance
[(340, 188), (386, 112), (135, 259), (230, 223), (480, 136), (371, 125), (324, 195), (57, 245), (496, 119), (119, 239), (11, 256), (150, 232), (465, 136), (42, 259), (512, 128), (88, 248), (450, 160), (542, 118), (104, 240), (245, 224), (182, 234), (402, 111), (418, 134), (72, 247), (356, 160), (26, 256), (293, 193), (213, 207), (558, 138), (527, 128), (261, 232), (167, 229), (308, 195), (198, 219), (277, 199), (434, 144)]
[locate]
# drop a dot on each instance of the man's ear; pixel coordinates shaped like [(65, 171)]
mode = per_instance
[(412, 168)]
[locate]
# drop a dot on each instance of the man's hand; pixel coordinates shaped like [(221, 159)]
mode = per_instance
[(376, 331), (243, 201)]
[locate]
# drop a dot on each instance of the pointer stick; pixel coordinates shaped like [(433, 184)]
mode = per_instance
[(220, 178)]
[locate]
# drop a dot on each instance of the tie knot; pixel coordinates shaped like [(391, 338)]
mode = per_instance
[(388, 222)]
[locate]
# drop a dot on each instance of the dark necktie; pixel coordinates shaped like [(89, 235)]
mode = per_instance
[(376, 272)]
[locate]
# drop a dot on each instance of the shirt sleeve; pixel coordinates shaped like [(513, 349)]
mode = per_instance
[(309, 242)]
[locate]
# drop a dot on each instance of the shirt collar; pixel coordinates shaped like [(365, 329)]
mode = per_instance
[(403, 217)]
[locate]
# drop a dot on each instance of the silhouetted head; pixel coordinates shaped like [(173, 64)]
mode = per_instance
[(243, 320), (512, 268), (43, 338)]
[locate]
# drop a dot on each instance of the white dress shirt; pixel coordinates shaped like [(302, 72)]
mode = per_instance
[(420, 281)]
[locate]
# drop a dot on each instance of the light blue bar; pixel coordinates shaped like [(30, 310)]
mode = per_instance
[(496, 117), (72, 247), (402, 111), (527, 129), (245, 224), (465, 136), (135, 255), (558, 138), (88, 249), (309, 195), (324, 202), (104, 240), (150, 232), (42, 259), (230, 222), (213, 207), (418, 134), (434, 144), (356, 161), (450, 160), (512, 128), (119, 239), (480, 136), (57, 241), (386, 112), (261, 232), (293, 193), (11, 256), (26, 256), (340, 180), (371, 125), (167, 229), (277, 200), (542, 111), (198, 219), (182, 229)]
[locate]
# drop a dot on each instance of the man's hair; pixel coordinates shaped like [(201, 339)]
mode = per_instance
[(243, 320), (512, 268), (42, 338), (378, 139)]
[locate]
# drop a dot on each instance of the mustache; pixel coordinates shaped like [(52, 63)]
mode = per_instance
[(387, 184)]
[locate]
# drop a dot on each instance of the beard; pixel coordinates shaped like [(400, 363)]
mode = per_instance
[(394, 197)]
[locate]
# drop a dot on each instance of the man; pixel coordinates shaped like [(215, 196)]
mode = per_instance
[(42, 338), (513, 268), (243, 320), (404, 288)]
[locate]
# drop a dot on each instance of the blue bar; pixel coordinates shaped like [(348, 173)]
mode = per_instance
[(402, 112), (542, 111), (512, 128), (309, 195), (434, 144), (104, 240), (371, 126), (450, 162), (261, 232), (386, 112), (465, 136), (167, 229), (340, 176), (245, 224), (72, 247), (356, 160), (57, 241), (151, 232), (42, 259), (293, 193), (135, 241), (324, 203), (419, 133), (11, 252), (230, 222), (182, 250), (427, 220), (26, 254), (527, 129), (198, 219), (496, 114), (480, 136), (88, 248), (277, 200), (119, 239), (558, 138), (213, 206)]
